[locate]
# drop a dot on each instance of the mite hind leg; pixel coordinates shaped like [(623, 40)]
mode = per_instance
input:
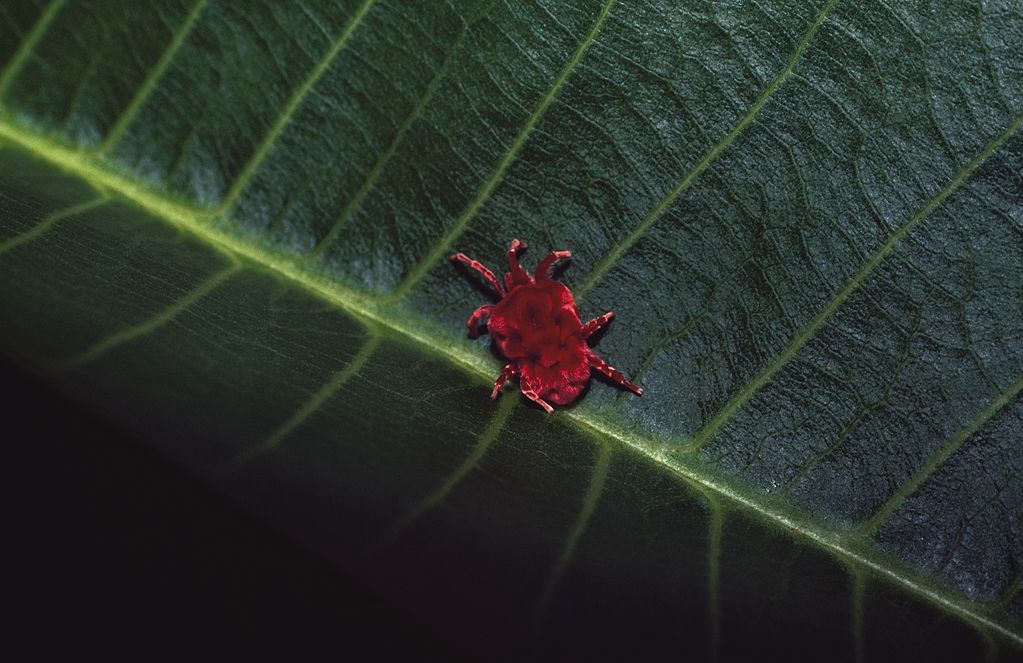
[(529, 391), (596, 324), (613, 373), (506, 373)]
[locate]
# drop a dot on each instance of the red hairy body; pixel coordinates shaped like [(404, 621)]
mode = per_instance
[(536, 327)]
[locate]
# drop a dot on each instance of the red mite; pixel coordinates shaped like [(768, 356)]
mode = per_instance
[(536, 327)]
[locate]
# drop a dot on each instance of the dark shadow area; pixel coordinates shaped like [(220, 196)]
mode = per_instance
[(111, 548)]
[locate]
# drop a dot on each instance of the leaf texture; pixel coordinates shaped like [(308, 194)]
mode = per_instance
[(225, 227)]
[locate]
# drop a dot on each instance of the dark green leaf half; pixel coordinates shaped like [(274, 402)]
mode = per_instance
[(225, 227)]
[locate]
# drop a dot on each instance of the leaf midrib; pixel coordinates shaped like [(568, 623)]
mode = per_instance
[(367, 308)]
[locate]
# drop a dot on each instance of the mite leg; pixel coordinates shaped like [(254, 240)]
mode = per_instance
[(543, 270), (481, 268), (518, 275), (530, 392), (616, 375), (473, 322), (506, 372), (595, 325)]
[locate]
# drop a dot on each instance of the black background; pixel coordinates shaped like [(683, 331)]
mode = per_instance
[(113, 549)]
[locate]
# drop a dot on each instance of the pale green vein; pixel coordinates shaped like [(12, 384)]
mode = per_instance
[(153, 323), (368, 309), (27, 44), (131, 110), (590, 500), (378, 168), (991, 649), (616, 252), (859, 590), (800, 339), (946, 450), (1012, 590), (81, 88), (864, 412), (486, 438), (716, 530), (48, 222), (444, 244), (316, 401), (827, 540), (289, 110), (689, 324)]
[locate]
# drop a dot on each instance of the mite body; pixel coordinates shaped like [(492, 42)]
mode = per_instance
[(536, 327)]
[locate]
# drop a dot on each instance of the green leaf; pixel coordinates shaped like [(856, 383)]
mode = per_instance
[(224, 226)]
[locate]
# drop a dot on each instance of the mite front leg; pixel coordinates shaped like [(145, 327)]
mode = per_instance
[(481, 268), (595, 325), (530, 392), (506, 372), (477, 316), (616, 375), (518, 275), (543, 270)]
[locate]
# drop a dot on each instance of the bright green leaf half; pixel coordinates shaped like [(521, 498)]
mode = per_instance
[(225, 226)]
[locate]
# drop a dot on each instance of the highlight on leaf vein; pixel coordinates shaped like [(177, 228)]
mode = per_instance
[(536, 327)]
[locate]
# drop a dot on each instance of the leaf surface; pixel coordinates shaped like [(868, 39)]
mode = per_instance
[(226, 228)]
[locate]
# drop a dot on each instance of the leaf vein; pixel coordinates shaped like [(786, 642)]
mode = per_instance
[(49, 221), (311, 406), (714, 536), (453, 233), (289, 109), (589, 505), (355, 203), (131, 110), (943, 453), (483, 443), (865, 411), (803, 336), (133, 332), (617, 251), (13, 67)]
